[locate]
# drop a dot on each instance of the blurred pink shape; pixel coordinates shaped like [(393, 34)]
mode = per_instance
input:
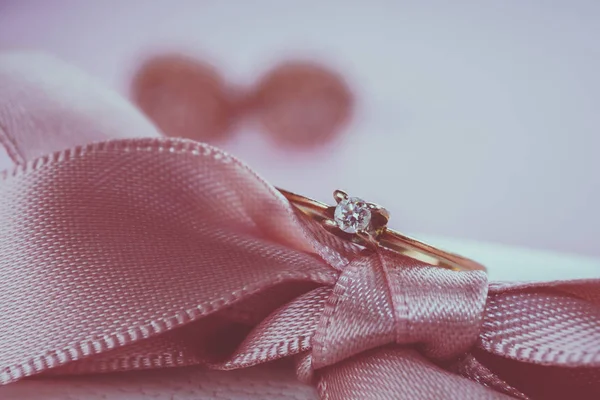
[(299, 104), (184, 97), (303, 104)]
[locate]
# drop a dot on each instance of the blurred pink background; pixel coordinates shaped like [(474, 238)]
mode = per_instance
[(474, 120)]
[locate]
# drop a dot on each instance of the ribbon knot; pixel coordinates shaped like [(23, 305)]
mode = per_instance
[(382, 298)]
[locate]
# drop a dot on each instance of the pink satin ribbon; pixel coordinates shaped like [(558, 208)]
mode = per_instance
[(152, 253)]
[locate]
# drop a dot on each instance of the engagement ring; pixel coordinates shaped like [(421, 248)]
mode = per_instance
[(365, 223)]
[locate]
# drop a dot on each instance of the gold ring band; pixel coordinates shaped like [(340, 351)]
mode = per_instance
[(375, 232)]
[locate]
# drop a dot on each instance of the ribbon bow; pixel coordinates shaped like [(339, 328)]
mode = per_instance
[(149, 253)]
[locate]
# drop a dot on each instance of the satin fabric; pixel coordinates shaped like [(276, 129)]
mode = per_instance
[(153, 253), (134, 254)]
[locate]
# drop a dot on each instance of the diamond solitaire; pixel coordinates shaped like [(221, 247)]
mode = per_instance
[(352, 215)]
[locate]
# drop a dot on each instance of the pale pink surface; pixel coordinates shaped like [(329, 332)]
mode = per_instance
[(486, 115), (127, 240)]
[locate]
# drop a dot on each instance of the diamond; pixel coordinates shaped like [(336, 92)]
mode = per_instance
[(352, 215)]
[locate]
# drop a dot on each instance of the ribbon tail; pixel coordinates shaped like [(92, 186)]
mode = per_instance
[(396, 372), (543, 339), (532, 380)]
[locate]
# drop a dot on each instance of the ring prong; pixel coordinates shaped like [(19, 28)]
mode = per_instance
[(340, 195), (379, 209)]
